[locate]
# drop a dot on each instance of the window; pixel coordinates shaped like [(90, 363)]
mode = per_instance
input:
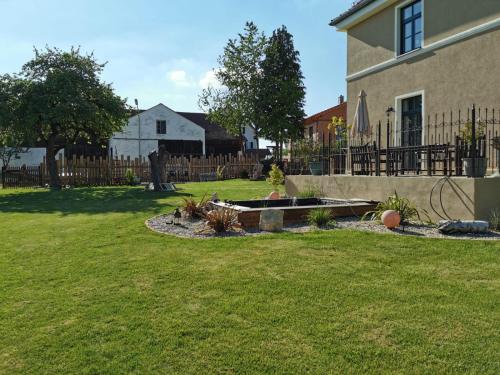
[(243, 130), (161, 127), (411, 27), (310, 132), (251, 145)]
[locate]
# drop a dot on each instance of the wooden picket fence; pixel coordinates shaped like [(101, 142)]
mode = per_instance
[(93, 171)]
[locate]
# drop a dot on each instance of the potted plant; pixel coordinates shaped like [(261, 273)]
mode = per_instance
[(276, 178), (474, 166), (309, 151)]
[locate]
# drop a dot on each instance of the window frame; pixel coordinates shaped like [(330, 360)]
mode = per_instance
[(161, 127), (398, 102), (399, 40)]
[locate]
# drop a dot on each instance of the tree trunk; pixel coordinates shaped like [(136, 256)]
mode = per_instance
[(257, 140), (50, 155), (162, 160), (155, 170)]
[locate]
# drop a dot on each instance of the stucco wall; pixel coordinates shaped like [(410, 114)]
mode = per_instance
[(462, 198), (372, 41), (178, 128), (452, 78)]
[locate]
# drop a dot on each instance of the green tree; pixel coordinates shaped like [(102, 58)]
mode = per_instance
[(66, 101), (12, 136), (281, 96), (232, 103)]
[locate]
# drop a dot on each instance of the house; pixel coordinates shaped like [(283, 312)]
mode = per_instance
[(249, 138), (419, 59), (218, 140), (182, 133), (159, 125), (316, 126)]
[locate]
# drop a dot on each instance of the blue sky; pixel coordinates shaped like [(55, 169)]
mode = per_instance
[(164, 51)]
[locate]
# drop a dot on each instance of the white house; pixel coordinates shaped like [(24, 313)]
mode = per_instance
[(249, 138), (182, 133), (149, 129)]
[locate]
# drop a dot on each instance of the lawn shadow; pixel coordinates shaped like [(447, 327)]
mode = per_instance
[(95, 200)]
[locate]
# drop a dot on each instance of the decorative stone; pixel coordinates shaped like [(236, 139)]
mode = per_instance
[(271, 220), (466, 226), (273, 196), (257, 171), (391, 219), (165, 186)]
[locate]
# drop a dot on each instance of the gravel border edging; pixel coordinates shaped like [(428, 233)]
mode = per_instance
[(160, 224)]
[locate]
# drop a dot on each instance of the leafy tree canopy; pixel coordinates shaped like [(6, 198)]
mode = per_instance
[(281, 96), (65, 100), (232, 104)]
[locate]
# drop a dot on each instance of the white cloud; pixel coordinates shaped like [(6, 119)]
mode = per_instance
[(209, 80), (180, 78)]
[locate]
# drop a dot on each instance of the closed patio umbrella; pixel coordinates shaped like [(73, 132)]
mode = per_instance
[(361, 122)]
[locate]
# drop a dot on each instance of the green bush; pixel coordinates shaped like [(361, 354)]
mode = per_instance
[(244, 175), (130, 177), (403, 206), (320, 217), (276, 177), (311, 191), (495, 219), (220, 172)]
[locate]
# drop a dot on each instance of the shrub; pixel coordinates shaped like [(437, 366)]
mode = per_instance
[(221, 221), (276, 177), (193, 209), (311, 191), (466, 131), (403, 206), (130, 177), (495, 219), (220, 172), (244, 175), (320, 217)]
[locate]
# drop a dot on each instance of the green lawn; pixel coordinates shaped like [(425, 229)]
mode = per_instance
[(87, 288)]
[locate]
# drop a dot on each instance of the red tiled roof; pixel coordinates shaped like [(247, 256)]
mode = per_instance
[(326, 115)]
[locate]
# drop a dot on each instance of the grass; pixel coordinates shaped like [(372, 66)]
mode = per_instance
[(86, 288)]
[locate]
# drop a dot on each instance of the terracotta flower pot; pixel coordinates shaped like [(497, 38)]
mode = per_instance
[(273, 196)]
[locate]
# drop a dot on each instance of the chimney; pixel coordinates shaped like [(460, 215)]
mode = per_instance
[(341, 99)]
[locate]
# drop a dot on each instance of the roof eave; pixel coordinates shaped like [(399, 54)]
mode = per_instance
[(359, 13)]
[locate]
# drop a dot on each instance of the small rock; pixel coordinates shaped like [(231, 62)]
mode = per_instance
[(271, 220), (466, 226)]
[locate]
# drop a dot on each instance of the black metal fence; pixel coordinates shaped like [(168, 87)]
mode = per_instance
[(437, 147)]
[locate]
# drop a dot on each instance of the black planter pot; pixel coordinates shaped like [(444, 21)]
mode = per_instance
[(475, 167)]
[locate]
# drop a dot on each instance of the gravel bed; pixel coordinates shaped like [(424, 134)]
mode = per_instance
[(417, 230), (194, 228)]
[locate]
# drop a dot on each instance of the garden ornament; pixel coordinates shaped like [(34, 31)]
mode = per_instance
[(177, 217), (391, 219)]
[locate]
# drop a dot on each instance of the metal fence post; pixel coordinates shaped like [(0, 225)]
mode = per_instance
[(473, 140)]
